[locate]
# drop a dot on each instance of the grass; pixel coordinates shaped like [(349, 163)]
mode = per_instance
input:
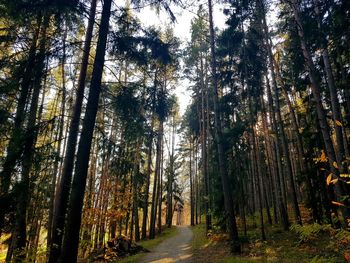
[(208, 249), (149, 244), (281, 246), (200, 239)]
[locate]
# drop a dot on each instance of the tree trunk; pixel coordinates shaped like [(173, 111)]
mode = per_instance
[(270, 160), (30, 139), (229, 203), (14, 149), (71, 236), (152, 230), (336, 113), (136, 190), (62, 194), (316, 91), (191, 186), (148, 177), (278, 184), (160, 188)]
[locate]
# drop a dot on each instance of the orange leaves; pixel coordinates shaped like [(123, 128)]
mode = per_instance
[(337, 203), (338, 123), (330, 180), (347, 256), (322, 158)]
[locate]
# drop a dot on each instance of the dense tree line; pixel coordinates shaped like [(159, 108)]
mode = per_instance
[(90, 122), (86, 102), (271, 117)]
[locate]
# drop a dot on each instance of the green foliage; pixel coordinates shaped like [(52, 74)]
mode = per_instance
[(309, 232), (320, 259)]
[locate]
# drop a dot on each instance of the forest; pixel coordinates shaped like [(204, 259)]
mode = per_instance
[(115, 127)]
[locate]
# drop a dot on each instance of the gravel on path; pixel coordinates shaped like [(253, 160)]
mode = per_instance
[(174, 249)]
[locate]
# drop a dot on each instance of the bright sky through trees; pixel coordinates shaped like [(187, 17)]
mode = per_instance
[(182, 29), (121, 119)]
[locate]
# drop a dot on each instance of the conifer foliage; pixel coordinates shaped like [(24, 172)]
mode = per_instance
[(93, 143)]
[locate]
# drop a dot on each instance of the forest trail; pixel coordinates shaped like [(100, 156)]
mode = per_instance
[(174, 249)]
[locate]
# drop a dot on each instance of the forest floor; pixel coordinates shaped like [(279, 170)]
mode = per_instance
[(315, 244)]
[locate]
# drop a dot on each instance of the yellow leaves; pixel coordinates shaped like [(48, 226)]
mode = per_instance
[(345, 175), (337, 203), (334, 181), (301, 106), (338, 123), (330, 179), (323, 157)]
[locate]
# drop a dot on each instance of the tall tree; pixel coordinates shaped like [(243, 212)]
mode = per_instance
[(71, 238), (229, 204)]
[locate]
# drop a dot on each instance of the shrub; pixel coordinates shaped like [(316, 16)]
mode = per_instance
[(309, 232)]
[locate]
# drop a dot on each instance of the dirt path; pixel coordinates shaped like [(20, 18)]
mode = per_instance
[(174, 249)]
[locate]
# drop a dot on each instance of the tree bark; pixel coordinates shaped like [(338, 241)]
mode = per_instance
[(20, 230), (148, 177), (14, 148), (316, 91), (152, 230), (229, 202), (191, 186), (71, 236), (62, 194)]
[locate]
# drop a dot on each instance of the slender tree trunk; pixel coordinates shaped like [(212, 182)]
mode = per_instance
[(191, 186), (203, 137), (229, 203), (61, 202), (60, 136), (301, 161), (336, 113), (316, 90), (135, 202), (30, 139), (152, 227), (14, 149), (71, 237), (171, 176), (256, 168), (270, 160), (285, 147), (279, 190), (148, 177), (160, 188)]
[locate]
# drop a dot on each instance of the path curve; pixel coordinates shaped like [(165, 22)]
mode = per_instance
[(174, 249)]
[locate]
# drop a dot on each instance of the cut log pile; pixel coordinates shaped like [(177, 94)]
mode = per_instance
[(116, 248)]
